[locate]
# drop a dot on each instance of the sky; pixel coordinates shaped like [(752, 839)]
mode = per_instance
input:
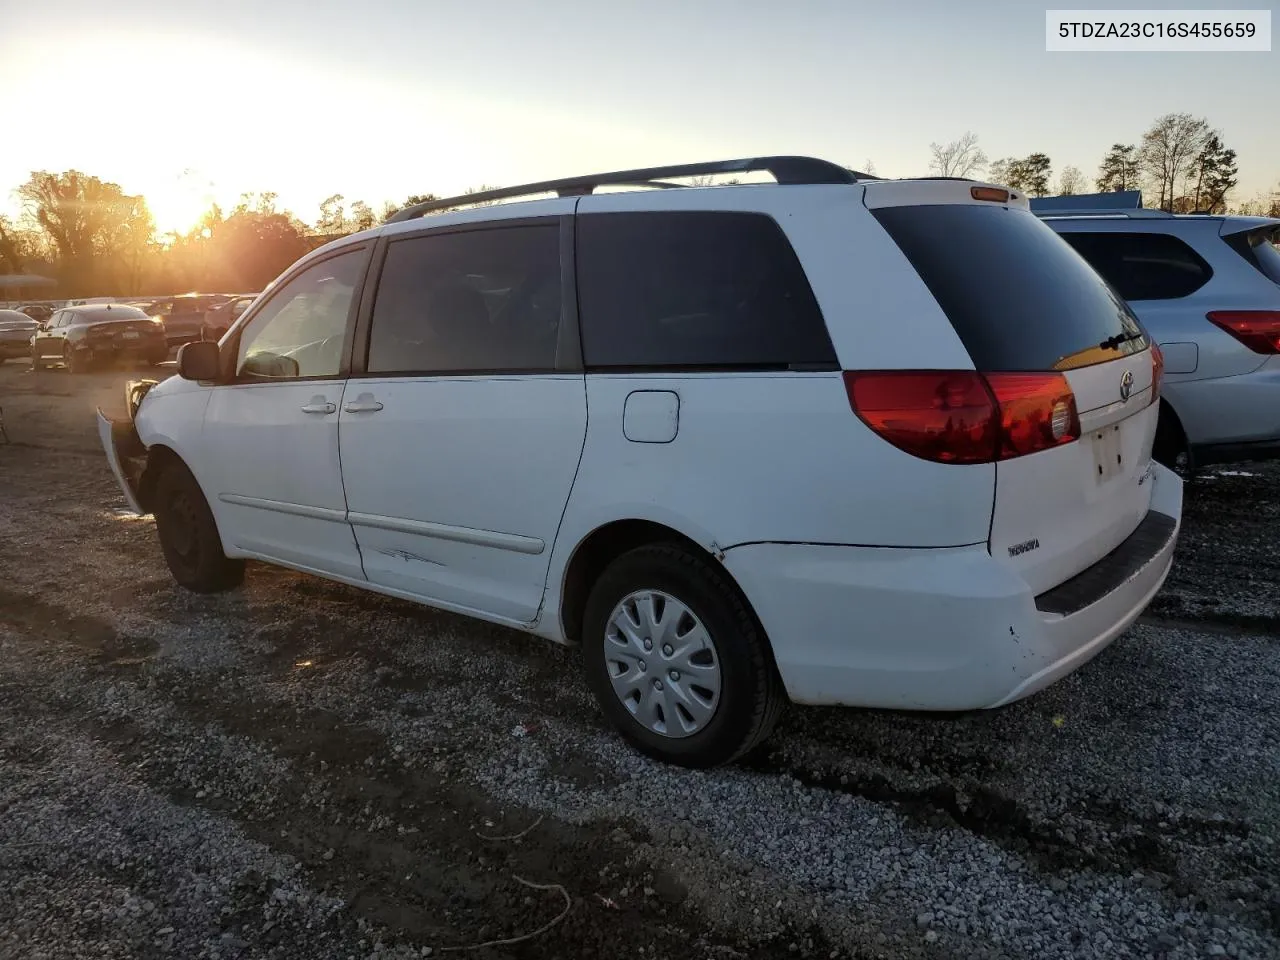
[(192, 101)]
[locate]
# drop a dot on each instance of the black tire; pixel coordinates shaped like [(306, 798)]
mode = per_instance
[(37, 363), (751, 694), (1170, 446), (189, 536), (76, 362)]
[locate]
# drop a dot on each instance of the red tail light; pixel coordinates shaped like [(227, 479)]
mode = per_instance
[(1157, 371), (1259, 330), (959, 416)]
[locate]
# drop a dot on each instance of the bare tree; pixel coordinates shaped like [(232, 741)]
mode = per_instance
[(9, 248), (959, 158), (1070, 181), (1168, 150)]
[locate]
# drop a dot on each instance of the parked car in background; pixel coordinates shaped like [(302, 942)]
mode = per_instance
[(183, 316), (37, 311), (851, 441), (16, 331), (85, 336), (219, 318), (1207, 288)]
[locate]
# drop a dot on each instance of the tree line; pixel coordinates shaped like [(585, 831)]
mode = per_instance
[(1180, 162), (96, 240), (93, 239)]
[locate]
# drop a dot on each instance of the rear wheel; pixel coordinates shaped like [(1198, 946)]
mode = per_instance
[(76, 361), (1170, 446), (189, 536), (676, 659)]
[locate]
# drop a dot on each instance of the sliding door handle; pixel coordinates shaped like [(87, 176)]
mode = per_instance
[(319, 404), (363, 404)]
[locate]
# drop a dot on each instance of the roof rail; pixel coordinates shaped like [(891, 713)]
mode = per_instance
[(789, 170), (1142, 213)]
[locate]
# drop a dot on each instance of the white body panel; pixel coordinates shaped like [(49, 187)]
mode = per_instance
[(457, 485), (928, 629), (271, 473), (769, 457)]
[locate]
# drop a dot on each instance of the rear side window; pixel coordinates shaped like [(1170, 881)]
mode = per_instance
[(476, 301), (1258, 247), (1019, 298), (1143, 266), (689, 291)]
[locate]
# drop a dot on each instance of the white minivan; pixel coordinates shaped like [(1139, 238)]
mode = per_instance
[(829, 439)]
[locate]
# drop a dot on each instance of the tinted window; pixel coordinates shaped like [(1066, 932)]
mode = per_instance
[(301, 330), (1258, 247), (695, 290), (1018, 297), (480, 300), (115, 313), (1143, 266)]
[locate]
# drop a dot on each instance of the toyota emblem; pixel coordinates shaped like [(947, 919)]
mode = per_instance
[(1126, 384)]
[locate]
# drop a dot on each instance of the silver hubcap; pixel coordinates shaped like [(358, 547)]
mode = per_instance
[(662, 663)]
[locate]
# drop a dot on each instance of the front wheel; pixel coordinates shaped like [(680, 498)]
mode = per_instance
[(189, 535), (676, 659)]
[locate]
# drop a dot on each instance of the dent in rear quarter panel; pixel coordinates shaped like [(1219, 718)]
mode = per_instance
[(766, 457)]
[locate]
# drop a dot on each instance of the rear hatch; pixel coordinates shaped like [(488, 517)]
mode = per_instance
[(1055, 343), (126, 330)]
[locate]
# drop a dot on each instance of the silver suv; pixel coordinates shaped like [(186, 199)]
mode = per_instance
[(1208, 290)]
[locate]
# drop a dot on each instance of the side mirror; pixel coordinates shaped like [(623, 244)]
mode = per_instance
[(199, 360)]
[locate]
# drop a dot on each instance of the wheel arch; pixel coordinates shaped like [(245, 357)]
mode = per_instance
[(1171, 436), (159, 456), (608, 541)]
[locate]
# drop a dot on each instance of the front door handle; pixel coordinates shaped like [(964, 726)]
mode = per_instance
[(319, 404), (363, 404)]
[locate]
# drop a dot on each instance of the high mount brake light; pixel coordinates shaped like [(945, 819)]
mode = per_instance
[(965, 417), (994, 194)]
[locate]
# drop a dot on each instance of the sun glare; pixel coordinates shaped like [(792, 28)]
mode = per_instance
[(175, 210)]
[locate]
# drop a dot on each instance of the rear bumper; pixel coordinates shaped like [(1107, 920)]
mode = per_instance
[(1225, 417), (126, 348), (120, 441), (1208, 454), (942, 629)]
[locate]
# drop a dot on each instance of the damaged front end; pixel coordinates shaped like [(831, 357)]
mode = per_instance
[(126, 453)]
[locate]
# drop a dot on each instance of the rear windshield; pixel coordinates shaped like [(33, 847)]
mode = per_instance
[(1018, 296), (1258, 247), (115, 313)]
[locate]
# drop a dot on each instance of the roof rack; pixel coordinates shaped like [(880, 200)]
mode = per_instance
[(788, 170), (1142, 213)]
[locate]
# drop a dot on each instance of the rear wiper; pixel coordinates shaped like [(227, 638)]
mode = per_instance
[(1112, 343)]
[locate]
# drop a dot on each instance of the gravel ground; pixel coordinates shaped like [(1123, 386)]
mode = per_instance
[(299, 769)]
